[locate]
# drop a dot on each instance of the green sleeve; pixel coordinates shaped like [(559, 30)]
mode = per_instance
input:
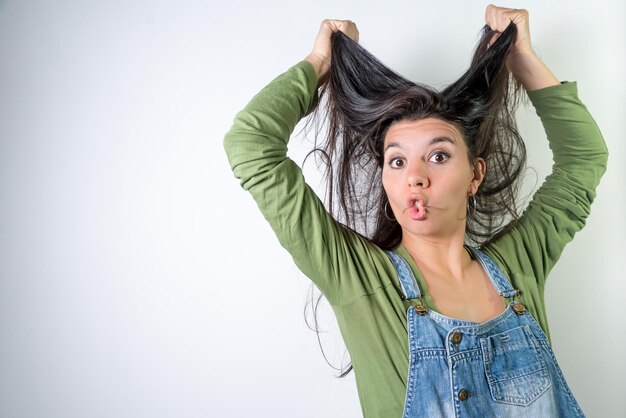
[(561, 205), (256, 146)]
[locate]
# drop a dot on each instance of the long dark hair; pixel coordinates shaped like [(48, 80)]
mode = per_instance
[(363, 98)]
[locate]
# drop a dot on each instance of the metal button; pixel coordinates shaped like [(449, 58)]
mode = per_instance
[(421, 309), (463, 394), (456, 337), (519, 308)]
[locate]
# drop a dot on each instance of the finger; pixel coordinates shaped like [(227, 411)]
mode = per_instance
[(351, 30), (494, 18), (499, 18)]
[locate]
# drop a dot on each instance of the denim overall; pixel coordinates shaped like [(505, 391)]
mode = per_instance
[(501, 368)]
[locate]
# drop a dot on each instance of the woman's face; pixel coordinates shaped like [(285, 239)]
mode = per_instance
[(428, 177)]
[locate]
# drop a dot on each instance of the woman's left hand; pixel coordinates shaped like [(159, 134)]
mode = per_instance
[(523, 63), (499, 18)]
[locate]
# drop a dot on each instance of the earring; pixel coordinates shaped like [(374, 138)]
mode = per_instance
[(471, 205), (389, 218)]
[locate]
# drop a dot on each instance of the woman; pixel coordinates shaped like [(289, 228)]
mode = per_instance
[(474, 317)]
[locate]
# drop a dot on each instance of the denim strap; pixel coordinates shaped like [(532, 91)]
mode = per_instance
[(501, 283), (407, 280)]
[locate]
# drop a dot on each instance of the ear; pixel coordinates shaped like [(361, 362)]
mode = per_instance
[(479, 168)]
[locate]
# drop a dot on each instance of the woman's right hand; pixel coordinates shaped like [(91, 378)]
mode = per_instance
[(321, 54)]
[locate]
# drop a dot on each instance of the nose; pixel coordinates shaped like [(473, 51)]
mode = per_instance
[(417, 178)]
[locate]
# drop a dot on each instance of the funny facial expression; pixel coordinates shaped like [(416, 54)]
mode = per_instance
[(428, 176)]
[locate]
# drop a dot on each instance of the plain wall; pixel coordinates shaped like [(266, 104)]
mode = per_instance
[(137, 279)]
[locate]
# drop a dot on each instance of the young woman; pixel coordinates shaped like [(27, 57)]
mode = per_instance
[(434, 327)]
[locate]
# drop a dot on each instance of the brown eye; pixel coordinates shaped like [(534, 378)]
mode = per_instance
[(396, 163), (439, 157)]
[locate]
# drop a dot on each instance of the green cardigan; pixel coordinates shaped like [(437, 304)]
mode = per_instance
[(355, 275)]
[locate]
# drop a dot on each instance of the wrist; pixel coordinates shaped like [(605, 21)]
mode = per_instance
[(320, 66), (530, 70)]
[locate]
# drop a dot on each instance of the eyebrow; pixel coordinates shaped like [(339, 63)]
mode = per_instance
[(432, 141)]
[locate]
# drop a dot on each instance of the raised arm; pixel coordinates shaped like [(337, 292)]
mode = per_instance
[(256, 146), (560, 207)]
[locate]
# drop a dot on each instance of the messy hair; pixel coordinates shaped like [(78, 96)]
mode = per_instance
[(363, 98)]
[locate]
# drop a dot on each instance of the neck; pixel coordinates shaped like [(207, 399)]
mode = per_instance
[(446, 257)]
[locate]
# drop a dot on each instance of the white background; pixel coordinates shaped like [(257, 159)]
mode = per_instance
[(138, 280)]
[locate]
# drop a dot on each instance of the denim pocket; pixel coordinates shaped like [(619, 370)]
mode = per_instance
[(516, 371)]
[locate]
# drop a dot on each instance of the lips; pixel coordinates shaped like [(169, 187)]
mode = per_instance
[(416, 207)]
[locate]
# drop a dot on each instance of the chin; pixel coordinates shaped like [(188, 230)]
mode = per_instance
[(428, 229)]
